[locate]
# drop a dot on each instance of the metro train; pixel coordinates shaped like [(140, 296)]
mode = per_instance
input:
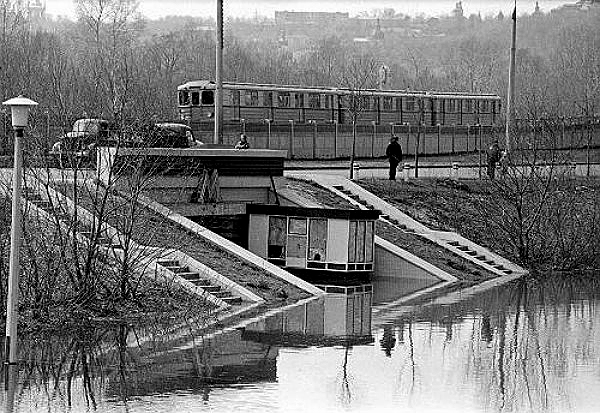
[(278, 103)]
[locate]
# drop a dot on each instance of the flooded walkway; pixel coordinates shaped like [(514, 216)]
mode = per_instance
[(514, 348)]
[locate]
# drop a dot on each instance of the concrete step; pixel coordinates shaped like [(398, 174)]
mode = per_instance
[(177, 269), (339, 187), (232, 300), (472, 253), (168, 263), (454, 243), (189, 275), (384, 216), (211, 288), (463, 248), (480, 257)]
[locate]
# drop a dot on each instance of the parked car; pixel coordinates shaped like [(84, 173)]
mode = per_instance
[(80, 144)]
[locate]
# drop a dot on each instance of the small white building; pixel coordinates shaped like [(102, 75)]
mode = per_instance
[(338, 240)]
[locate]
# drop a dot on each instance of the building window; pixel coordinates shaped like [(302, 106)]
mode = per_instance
[(195, 98), (317, 240), (314, 101), (277, 237), (360, 241), (208, 97), (328, 101), (298, 226), (387, 103), (283, 99), (409, 103)]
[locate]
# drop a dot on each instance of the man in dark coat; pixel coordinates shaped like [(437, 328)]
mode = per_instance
[(394, 155), (493, 157)]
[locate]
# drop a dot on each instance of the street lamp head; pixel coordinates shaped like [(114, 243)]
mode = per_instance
[(20, 107)]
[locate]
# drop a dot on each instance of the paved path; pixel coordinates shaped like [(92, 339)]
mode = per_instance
[(426, 171)]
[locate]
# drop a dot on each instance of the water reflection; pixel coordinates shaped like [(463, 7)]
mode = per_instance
[(524, 347)]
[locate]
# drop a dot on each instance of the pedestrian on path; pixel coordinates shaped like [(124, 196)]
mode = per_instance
[(493, 157), (394, 155)]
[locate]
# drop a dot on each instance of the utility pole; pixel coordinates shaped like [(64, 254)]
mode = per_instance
[(218, 138), (510, 110)]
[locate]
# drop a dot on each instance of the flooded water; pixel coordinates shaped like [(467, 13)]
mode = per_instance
[(520, 347)]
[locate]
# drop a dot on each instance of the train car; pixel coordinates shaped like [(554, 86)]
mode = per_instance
[(257, 102)]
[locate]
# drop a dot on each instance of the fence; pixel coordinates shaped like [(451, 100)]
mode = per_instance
[(314, 140)]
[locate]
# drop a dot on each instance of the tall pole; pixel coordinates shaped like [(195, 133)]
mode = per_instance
[(10, 349), (218, 138), (510, 110)]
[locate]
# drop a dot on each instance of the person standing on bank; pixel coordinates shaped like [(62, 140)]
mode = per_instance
[(394, 155), (493, 157), (243, 143)]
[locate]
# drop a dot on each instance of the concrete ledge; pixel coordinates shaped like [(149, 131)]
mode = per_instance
[(413, 259), (230, 246)]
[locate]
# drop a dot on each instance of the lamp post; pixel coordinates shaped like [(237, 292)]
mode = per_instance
[(20, 107)]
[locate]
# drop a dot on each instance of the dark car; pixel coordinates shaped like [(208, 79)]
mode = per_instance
[(80, 144)]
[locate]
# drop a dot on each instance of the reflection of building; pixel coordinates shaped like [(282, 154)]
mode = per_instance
[(342, 317)]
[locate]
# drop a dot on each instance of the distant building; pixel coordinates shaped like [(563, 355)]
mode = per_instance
[(37, 16), (458, 11), (309, 17)]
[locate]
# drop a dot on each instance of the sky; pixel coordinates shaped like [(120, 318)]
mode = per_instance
[(155, 9)]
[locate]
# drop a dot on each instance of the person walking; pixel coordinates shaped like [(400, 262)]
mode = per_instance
[(493, 154), (394, 155), (243, 143)]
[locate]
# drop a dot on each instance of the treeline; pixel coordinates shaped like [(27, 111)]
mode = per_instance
[(112, 63)]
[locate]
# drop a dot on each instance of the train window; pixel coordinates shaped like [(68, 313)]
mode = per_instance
[(451, 105), (208, 97), (327, 101), (251, 98), (184, 98), (314, 101), (398, 103), (283, 99), (375, 103), (467, 106), (235, 97), (365, 102), (268, 99), (484, 106), (299, 100), (409, 103), (387, 103), (195, 98)]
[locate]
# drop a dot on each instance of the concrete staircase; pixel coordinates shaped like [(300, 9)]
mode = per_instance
[(217, 292), (205, 284), (453, 242), (450, 241)]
